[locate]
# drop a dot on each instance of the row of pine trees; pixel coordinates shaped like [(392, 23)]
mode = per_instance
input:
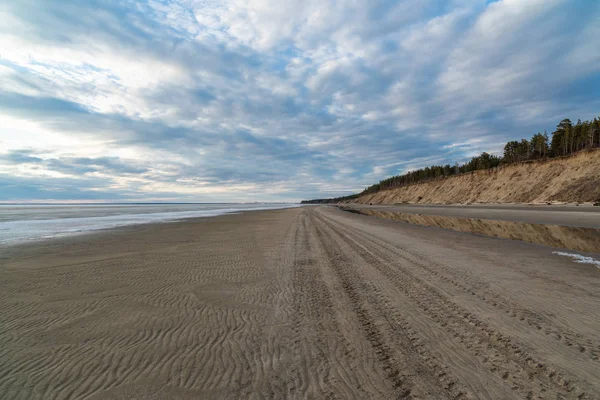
[(566, 139)]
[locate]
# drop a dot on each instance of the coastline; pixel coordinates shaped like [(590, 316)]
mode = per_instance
[(39, 223)]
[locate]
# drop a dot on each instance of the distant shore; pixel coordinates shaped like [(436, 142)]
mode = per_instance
[(24, 223)]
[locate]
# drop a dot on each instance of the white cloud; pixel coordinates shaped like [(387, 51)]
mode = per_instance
[(20, 133), (285, 98)]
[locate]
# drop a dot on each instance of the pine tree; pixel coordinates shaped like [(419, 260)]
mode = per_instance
[(539, 145)]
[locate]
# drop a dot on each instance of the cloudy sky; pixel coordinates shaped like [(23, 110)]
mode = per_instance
[(243, 100)]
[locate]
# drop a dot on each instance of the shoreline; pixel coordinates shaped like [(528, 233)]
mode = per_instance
[(8, 250), (92, 230)]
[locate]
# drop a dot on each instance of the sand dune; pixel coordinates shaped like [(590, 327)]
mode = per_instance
[(297, 303)]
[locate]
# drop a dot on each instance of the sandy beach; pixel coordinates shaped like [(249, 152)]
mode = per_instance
[(308, 302)]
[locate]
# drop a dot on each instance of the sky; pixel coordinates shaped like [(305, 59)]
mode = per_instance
[(276, 100)]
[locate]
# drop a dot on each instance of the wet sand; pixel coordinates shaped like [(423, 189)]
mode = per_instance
[(584, 216), (561, 236), (310, 302)]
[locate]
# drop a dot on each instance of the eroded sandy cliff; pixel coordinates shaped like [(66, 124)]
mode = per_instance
[(574, 179)]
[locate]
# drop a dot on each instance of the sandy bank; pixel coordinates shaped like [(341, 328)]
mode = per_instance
[(562, 180)]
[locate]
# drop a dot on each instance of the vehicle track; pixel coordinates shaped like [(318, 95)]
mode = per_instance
[(299, 303), (480, 290), (523, 371), (398, 354)]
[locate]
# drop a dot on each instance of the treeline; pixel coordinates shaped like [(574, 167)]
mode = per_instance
[(568, 138)]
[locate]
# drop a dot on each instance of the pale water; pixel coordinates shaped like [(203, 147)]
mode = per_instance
[(23, 223)]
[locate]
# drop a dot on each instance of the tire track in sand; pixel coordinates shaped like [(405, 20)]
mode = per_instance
[(411, 368), (525, 373), (480, 290)]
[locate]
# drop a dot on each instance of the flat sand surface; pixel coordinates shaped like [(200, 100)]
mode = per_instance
[(310, 302), (575, 216)]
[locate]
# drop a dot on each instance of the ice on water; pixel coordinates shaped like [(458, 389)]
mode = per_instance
[(22, 223)]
